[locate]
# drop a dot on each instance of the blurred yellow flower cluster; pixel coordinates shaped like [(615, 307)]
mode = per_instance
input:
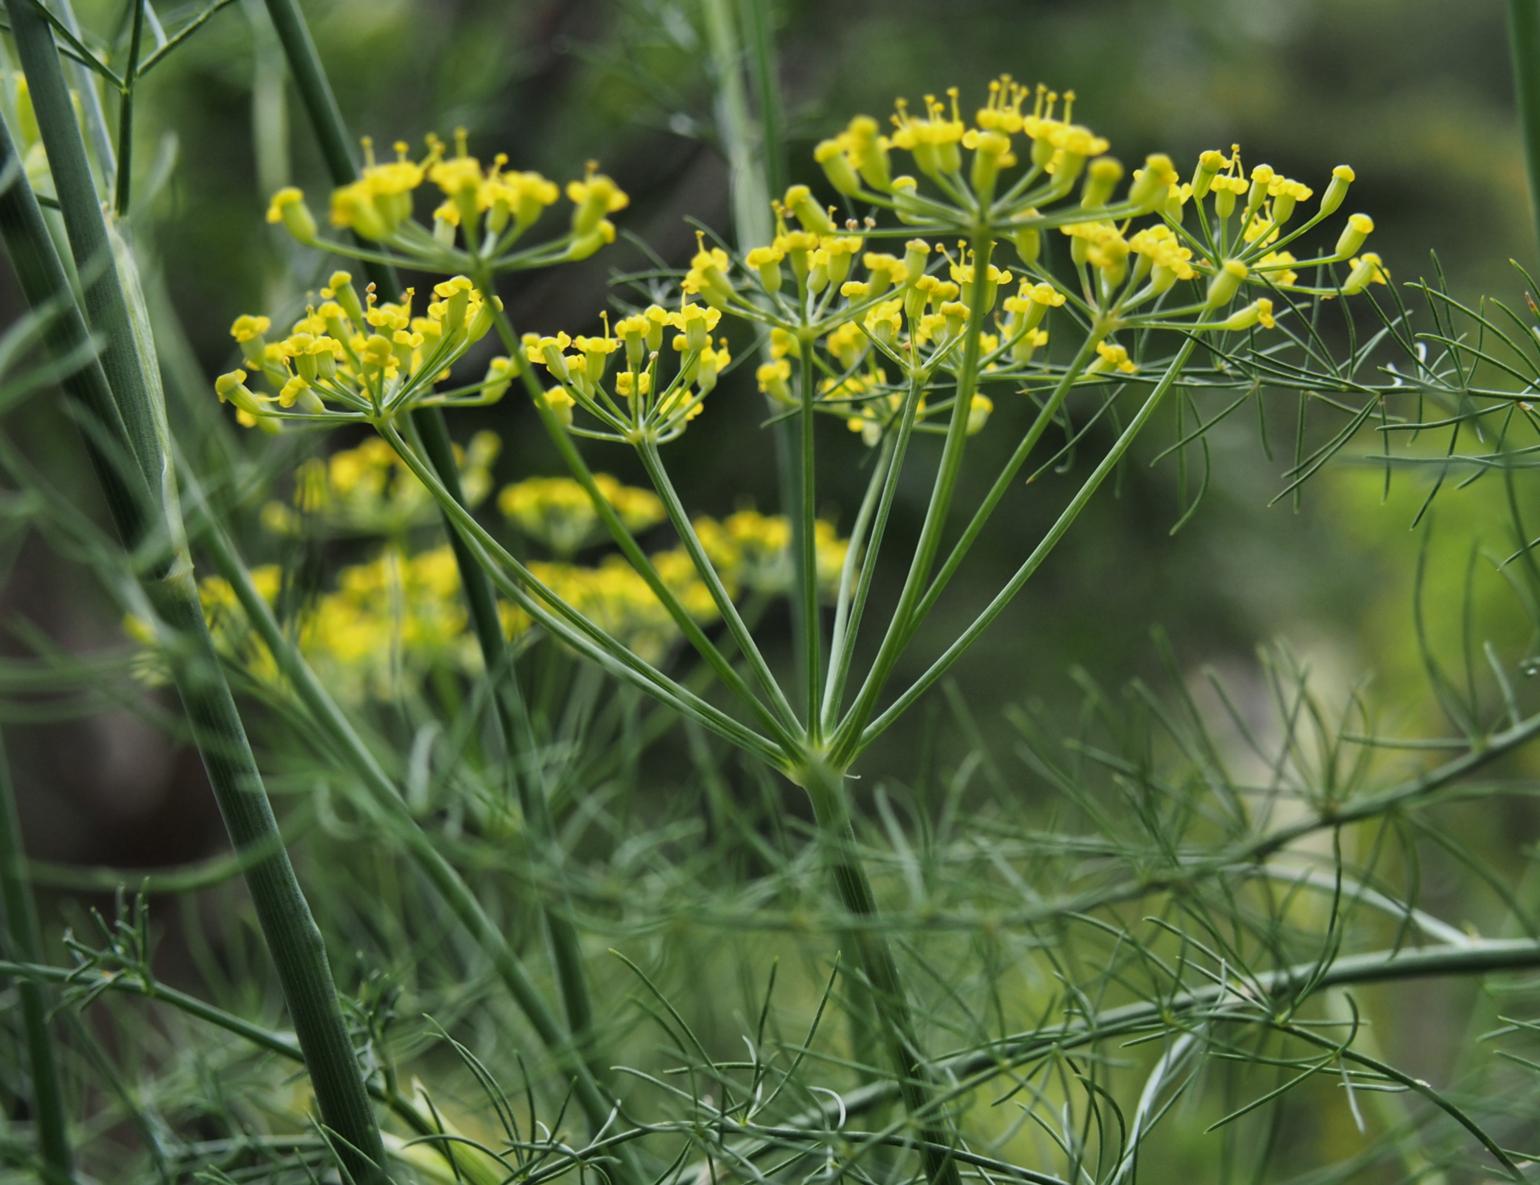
[(388, 620)]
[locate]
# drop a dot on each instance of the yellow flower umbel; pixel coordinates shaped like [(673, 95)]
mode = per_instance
[(359, 359), (479, 217), (645, 381)]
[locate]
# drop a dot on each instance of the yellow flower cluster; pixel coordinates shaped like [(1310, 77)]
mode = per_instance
[(858, 161), (360, 358), (368, 490), (389, 621), (557, 511), (753, 551), (643, 400), (483, 209)]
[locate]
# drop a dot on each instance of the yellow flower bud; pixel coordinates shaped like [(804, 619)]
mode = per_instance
[(288, 207), (811, 216), (837, 167), (1367, 269), (1226, 283), (1101, 179), (1209, 164), (1336, 190), (1353, 235)]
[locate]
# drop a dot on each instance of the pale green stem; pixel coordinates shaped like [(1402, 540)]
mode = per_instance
[(1024, 573), (1212, 1003), (934, 526), (750, 185), (840, 664), (652, 461)]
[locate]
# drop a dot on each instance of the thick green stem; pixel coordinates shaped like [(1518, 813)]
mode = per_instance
[(440, 873), (915, 1079), (22, 937), (144, 509), (1524, 39)]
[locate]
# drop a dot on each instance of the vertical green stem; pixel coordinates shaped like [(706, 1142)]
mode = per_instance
[(144, 508), (1524, 40), (124, 169), (23, 938), (807, 550), (917, 1084), (761, 58)]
